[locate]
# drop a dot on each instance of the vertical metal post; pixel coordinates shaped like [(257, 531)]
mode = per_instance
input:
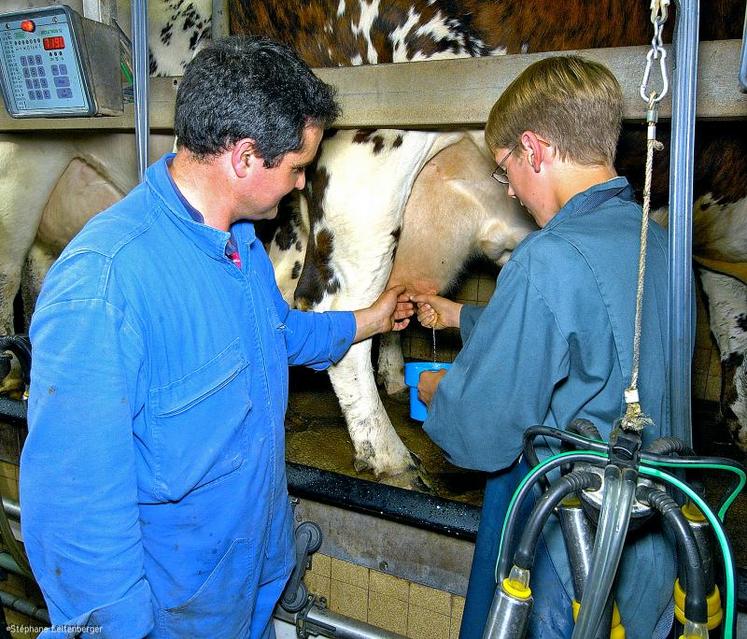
[(141, 68), (681, 312), (220, 24), (100, 10), (743, 60)]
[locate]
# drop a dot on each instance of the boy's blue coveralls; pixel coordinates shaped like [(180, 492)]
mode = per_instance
[(555, 344), (153, 489)]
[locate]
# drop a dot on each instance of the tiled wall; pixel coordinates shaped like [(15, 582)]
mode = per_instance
[(477, 287), (396, 605)]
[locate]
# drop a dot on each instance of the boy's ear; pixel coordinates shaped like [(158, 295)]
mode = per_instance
[(534, 149)]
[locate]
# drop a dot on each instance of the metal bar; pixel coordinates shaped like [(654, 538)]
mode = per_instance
[(743, 59), (220, 26), (319, 621), (141, 69), (682, 155), (409, 507), (8, 563), (100, 10), (421, 94), (12, 508), (25, 607)]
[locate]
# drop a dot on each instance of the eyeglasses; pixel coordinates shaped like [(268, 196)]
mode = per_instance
[(500, 175)]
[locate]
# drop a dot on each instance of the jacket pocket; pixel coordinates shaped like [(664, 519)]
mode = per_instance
[(198, 424), (222, 607)]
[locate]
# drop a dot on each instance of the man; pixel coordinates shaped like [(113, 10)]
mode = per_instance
[(555, 341), (153, 477)]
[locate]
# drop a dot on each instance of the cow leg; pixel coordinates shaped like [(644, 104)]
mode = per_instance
[(38, 262), (391, 366), (377, 446), (727, 310)]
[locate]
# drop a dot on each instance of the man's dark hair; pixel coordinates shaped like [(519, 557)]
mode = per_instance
[(248, 87)]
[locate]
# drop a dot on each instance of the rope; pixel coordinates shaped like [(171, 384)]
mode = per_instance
[(635, 419)]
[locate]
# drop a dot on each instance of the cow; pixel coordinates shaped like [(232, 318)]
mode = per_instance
[(356, 210), (454, 210)]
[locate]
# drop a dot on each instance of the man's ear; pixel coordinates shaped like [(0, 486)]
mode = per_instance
[(244, 158)]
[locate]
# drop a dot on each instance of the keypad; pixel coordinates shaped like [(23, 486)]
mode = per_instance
[(41, 76)]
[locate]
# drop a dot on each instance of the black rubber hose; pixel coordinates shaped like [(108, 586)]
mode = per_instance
[(695, 461), (510, 524), (571, 483), (20, 346), (564, 436), (585, 428), (667, 446), (573, 440), (696, 606), (581, 442)]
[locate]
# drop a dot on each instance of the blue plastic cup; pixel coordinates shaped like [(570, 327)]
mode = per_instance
[(418, 410)]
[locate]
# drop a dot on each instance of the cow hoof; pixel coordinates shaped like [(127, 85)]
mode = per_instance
[(411, 479), (415, 477), (361, 465)]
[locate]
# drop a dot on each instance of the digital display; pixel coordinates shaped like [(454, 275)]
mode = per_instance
[(54, 43)]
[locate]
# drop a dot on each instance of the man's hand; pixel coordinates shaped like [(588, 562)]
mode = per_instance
[(428, 384), (391, 312), (437, 312)]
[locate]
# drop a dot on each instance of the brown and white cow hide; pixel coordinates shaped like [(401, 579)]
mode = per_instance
[(356, 204)]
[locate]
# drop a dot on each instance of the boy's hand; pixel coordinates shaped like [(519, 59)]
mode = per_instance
[(428, 384), (437, 312)]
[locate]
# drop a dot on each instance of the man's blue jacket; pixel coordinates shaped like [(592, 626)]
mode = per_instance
[(153, 488)]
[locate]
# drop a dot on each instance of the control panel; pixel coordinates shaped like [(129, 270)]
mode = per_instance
[(48, 66)]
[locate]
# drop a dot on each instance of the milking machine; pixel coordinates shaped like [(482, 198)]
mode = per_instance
[(604, 490)]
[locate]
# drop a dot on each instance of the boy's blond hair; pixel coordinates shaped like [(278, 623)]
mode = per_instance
[(571, 102)]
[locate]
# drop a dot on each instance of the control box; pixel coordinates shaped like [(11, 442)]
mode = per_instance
[(55, 63)]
